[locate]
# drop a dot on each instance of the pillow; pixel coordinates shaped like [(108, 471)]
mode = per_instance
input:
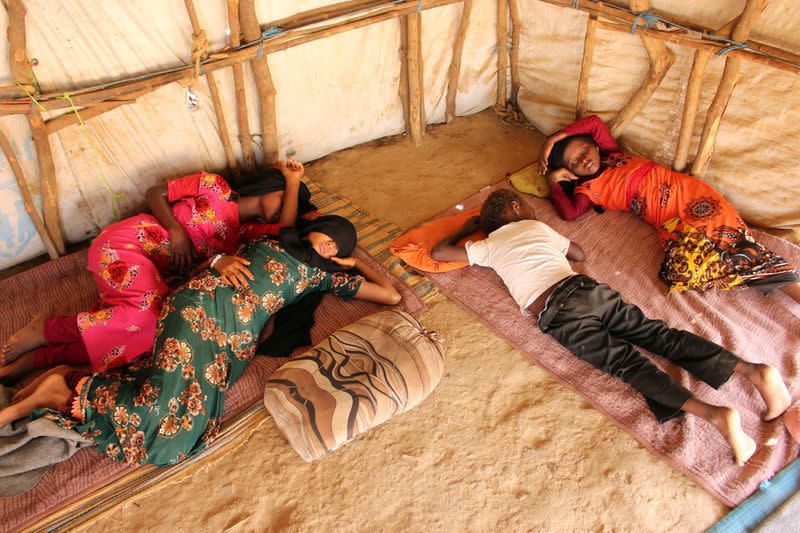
[(414, 247), (359, 377), (529, 181)]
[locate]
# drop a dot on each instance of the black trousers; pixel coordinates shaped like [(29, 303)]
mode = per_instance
[(592, 321)]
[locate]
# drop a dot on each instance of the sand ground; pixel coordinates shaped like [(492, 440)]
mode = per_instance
[(499, 445)]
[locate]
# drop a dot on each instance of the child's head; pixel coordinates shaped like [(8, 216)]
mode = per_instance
[(330, 236), (502, 207), (578, 153)]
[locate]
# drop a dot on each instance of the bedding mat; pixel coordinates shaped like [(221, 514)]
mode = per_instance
[(88, 483), (624, 252)]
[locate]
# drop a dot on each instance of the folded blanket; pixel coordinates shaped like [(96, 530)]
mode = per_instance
[(28, 449)]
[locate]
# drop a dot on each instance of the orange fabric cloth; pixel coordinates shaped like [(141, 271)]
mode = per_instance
[(664, 194), (414, 247)]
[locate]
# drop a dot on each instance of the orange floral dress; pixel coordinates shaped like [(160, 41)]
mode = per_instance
[(706, 243)]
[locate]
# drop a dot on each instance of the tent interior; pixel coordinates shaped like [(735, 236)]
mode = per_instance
[(405, 108)]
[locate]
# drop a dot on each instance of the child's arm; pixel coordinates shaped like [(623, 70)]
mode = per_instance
[(448, 250), (377, 288), (292, 171), (181, 249), (575, 252)]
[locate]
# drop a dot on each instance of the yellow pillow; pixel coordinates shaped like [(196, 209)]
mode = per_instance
[(529, 181)]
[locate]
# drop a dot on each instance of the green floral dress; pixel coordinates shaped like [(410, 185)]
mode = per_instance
[(164, 408)]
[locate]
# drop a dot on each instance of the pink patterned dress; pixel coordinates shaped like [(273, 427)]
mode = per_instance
[(130, 259)]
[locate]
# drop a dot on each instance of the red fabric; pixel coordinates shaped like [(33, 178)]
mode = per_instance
[(566, 207), (594, 126), (64, 343)]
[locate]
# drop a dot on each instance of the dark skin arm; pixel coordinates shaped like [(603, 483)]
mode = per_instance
[(448, 249), (181, 249), (376, 288), (575, 252)]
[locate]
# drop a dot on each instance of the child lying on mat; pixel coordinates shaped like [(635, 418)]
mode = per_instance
[(593, 322)]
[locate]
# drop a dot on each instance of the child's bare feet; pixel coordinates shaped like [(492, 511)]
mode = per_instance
[(24, 340), (792, 420), (729, 423), (15, 370), (767, 380), (52, 392)]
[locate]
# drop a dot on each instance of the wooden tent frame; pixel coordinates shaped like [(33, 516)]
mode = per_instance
[(23, 98)]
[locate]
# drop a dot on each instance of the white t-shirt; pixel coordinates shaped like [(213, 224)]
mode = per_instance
[(528, 255)]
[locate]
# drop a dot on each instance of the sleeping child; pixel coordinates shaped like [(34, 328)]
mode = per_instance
[(593, 322)]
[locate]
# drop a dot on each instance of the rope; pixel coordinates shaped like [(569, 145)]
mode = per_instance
[(269, 33), (199, 52), (116, 197), (650, 20), (734, 46), (32, 97), (419, 6)]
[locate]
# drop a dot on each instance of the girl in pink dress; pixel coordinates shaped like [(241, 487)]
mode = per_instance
[(195, 218)]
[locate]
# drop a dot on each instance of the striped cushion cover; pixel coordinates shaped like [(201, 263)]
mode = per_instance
[(357, 378)]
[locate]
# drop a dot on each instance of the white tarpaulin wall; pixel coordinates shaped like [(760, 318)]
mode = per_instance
[(755, 163), (343, 90), (330, 94)]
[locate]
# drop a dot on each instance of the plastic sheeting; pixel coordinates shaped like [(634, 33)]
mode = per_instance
[(343, 90)]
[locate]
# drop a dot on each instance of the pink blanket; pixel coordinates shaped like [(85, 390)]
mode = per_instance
[(624, 252), (65, 286)]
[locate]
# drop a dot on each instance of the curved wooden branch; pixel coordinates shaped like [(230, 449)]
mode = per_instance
[(661, 59), (455, 64), (589, 41)]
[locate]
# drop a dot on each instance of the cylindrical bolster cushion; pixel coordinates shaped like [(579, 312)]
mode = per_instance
[(359, 377)]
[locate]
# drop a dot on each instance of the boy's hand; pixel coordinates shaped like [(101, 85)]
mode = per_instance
[(292, 169), (472, 225)]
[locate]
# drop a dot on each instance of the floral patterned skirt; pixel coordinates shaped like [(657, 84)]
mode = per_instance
[(164, 408), (693, 261)]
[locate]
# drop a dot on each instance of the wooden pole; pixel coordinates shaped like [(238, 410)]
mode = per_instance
[(27, 201), (47, 173), (90, 95), (692, 100), (730, 76), (415, 95), (403, 90), (589, 40), (661, 59), (20, 64), (786, 61), (502, 53), (516, 29), (214, 90), (264, 85), (454, 72), (241, 97)]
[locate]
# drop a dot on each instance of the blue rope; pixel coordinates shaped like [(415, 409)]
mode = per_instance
[(576, 4), (419, 6), (650, 20), (734, 46), (270, 32)]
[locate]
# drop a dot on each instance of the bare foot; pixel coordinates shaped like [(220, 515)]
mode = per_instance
[(792, 420), (770, 385), (24, 340), (29, 389), (52, 392), (729, 423), (17, 369)]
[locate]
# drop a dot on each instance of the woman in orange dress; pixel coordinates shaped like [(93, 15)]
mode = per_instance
[(706, 243)]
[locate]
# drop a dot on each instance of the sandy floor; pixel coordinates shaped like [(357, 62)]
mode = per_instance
[(498, 445)]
